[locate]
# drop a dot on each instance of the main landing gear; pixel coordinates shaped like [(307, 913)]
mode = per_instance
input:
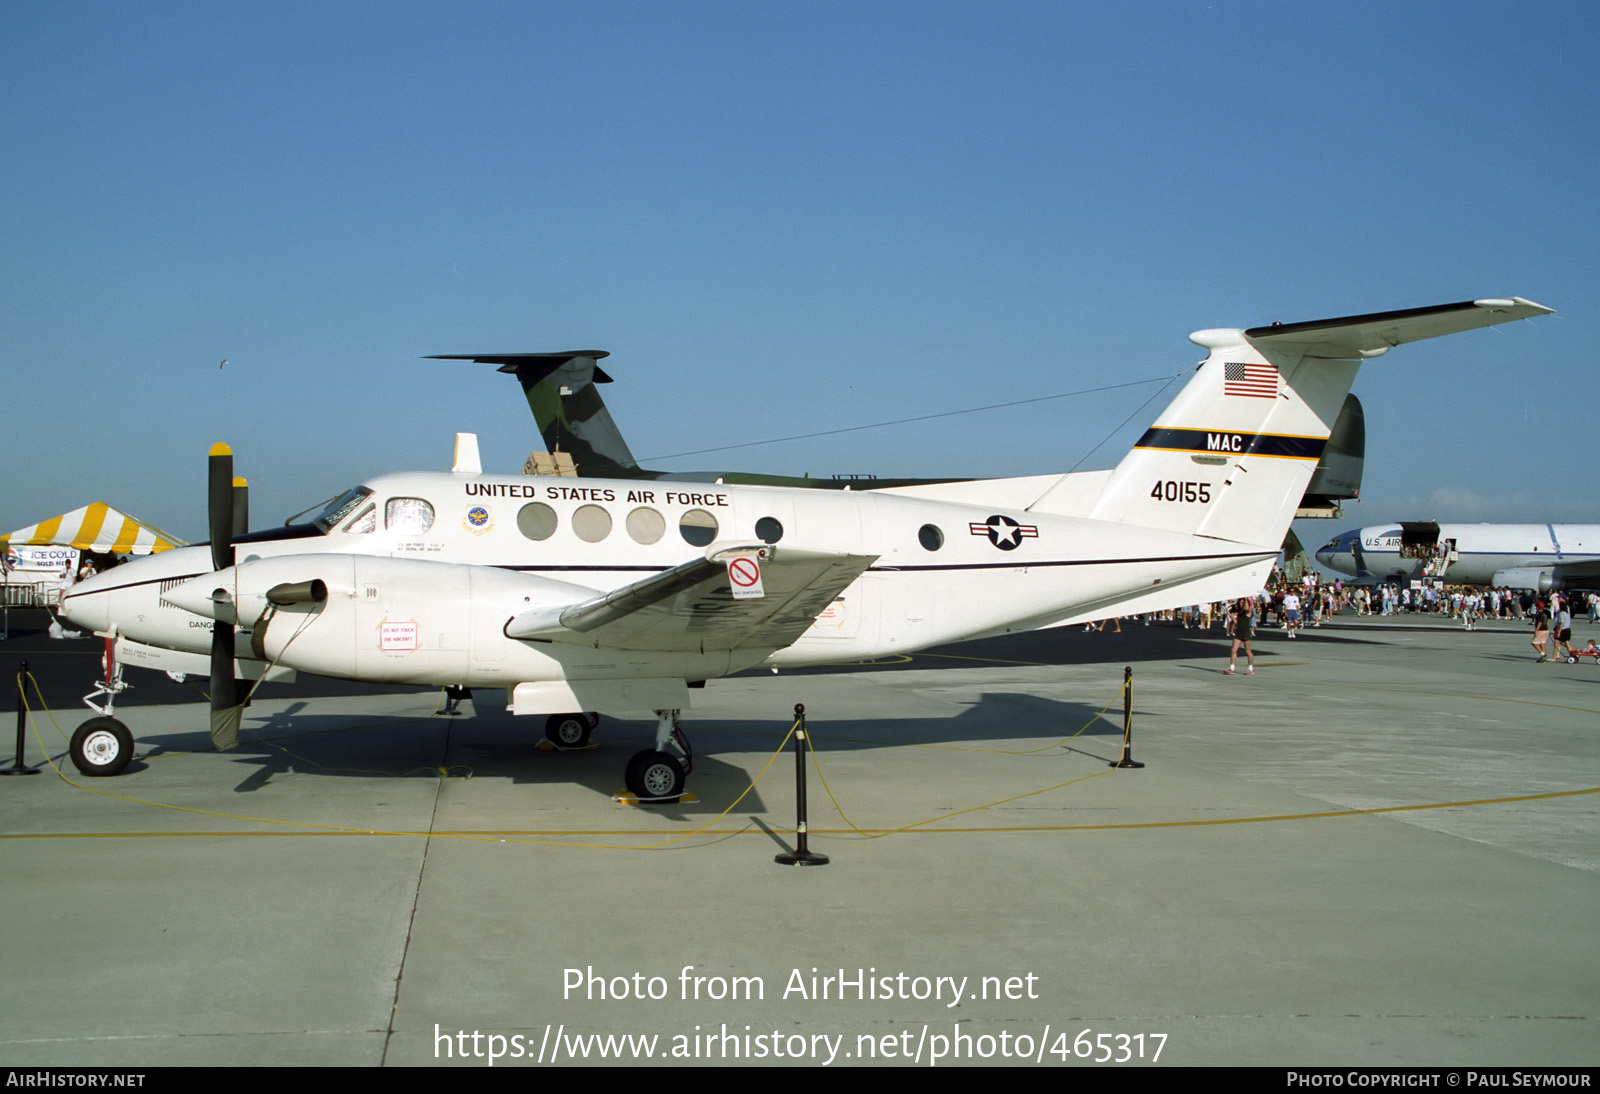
[(656, 774), (652, 775), (570, 730)]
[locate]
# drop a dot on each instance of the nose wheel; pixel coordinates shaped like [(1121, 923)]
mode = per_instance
[(101, 747)]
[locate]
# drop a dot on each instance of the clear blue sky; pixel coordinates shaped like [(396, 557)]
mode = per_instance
[(778, 218)]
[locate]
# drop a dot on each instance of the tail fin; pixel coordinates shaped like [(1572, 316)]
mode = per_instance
[(1338, 475), (560, 388), (1232, 455)]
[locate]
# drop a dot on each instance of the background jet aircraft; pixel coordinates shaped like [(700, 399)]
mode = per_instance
[(573, 419), (1540, 557)]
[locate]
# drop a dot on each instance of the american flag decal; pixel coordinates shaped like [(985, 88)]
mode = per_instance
[(1256, 381)]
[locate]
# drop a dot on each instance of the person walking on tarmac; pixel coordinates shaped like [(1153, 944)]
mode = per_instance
[(1561, 630), (1541, 630), (1242, 613)]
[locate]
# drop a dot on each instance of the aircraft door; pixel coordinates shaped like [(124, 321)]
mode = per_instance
[(1419, 539)]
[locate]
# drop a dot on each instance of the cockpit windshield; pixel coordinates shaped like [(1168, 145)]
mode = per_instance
[(341, 507)]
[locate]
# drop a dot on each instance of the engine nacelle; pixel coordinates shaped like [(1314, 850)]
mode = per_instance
[(393, 620), (1526, 577)]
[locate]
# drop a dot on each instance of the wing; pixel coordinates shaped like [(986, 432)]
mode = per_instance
[(1581, 575), (692, 607)]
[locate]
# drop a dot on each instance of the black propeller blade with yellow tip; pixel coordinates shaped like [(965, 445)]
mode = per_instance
[(227, 691)]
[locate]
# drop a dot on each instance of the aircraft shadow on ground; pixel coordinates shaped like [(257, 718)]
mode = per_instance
[(1074, 646), (65, 671), (496, 745)]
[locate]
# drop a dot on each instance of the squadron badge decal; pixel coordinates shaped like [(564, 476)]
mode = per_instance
[(1004, 532), (477, 521)]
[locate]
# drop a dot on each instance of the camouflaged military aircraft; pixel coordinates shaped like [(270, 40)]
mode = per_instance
[(574, 421)]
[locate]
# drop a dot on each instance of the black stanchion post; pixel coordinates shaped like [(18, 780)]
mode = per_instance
[(801, 855), (17, 766), (1127, 721)]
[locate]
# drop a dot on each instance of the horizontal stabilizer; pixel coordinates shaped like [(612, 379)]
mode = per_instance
[(1372, 335), (530, 368)]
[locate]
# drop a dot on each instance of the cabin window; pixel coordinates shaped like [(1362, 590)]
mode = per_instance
[(536, 520), (365, 522), (646, 525), (930, 537), (697, 527), (769, 530), (591, 523), (408, 516)]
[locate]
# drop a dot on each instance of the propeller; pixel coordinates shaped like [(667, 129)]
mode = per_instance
[(227, 692)]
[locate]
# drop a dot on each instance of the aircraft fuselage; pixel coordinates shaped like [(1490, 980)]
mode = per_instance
[(423, 572), (1531, 556)]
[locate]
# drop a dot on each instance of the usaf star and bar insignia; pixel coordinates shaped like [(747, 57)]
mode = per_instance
[(1004, 532)]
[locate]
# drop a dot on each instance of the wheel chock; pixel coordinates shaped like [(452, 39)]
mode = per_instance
[(628, 797)]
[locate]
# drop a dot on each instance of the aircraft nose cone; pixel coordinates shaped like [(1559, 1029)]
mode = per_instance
[(88, 604)]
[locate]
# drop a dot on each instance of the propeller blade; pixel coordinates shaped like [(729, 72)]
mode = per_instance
[(227, 709), (219, 505), (241, 507)]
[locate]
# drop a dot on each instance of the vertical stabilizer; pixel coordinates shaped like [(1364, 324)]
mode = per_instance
[(1232, 455), (560, 389), (1338, 476)]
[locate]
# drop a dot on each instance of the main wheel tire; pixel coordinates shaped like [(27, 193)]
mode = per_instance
[(102, 747), (653, 774), (568, 730)]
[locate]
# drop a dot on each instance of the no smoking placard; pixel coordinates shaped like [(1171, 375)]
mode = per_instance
[(744, 578)]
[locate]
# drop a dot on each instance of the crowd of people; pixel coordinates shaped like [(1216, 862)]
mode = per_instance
[(1295, 605)]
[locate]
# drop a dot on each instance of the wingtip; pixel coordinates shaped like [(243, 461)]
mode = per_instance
[(1514, 303)]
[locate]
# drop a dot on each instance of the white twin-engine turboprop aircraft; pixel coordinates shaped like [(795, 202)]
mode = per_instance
[(609, 595)]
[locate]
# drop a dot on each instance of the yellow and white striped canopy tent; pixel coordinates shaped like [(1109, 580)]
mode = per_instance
[(96, 527)]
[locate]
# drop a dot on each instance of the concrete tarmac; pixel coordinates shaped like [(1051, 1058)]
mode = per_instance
[(1383, 848)]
